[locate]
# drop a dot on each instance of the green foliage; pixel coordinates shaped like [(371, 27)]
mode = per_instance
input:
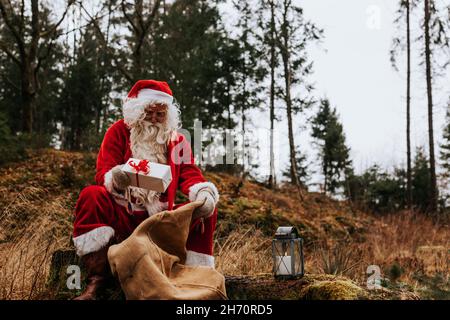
[(248, 69), (190, 46), (11, 148), (82, 99), (380, 191), (395, 272), (48, 77), (421, 181), (302, 165), (377, 190), (333, 152), (445, 159), (445, 146)]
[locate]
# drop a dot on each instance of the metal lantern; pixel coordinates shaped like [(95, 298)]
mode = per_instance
[(287, 253)]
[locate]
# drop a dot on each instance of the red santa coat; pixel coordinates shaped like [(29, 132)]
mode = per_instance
[(101, 214)]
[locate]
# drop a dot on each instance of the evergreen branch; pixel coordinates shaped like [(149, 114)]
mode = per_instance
[(124, 72), (53, 29), (19, 40), (5, 49)]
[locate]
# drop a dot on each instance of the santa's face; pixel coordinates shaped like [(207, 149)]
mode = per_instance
[(156, 113), (149, 135)]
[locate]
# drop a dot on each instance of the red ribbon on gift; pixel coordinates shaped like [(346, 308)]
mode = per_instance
[(142, 166)]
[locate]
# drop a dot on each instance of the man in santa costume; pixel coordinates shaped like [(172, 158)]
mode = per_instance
[(108, 212)]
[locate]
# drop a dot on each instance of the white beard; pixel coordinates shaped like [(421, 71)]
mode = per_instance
[(148, 141)]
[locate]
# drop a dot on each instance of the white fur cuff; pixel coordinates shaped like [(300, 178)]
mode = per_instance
[(199, 259), (196, 188), (93, 240), (109, 185)]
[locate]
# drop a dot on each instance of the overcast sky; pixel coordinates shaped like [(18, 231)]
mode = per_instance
[(352, 68)]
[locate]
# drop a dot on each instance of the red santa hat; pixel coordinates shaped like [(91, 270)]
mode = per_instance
[(146, 92)]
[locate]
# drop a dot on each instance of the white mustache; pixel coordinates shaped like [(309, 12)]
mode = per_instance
[(148, 130)]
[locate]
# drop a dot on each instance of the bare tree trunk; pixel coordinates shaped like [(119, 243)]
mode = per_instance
[(104, 106), (244, 146), (287, 82), (28, 98), (433, 186), (272, 180), (408, 110), (294, 175)]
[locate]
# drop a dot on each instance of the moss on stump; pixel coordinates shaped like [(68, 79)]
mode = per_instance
[(333, 290), (310, 287)]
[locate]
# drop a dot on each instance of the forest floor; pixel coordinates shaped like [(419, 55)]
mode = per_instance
[(38, 195)]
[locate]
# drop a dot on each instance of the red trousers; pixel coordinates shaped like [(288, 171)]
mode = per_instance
[(99, 219)]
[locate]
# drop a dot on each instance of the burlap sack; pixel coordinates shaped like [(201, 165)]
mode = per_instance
[(150, 263)]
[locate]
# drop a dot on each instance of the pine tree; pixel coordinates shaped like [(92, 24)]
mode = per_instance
[(435, 37), (82, 97), (267, 39), (249, 74), (421, 182), (334, 155), (189, 48), (445, 154), (141, 19), (293, 37), (399, 44), (303, 169), (34, 37), (377, 190)]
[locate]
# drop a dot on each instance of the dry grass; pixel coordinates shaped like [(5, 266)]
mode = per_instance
[(25, 257), (32, 228), (36, 219), (244, 252), (412, 242)]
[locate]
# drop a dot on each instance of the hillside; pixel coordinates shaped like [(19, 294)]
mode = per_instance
[(38, 196)]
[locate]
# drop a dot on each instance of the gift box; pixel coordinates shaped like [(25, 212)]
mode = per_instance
[(148, 175)]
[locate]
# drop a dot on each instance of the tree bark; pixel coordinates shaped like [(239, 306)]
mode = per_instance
[(408, 110), (28, 98), (433, 186), (272, 180), (288, 100)]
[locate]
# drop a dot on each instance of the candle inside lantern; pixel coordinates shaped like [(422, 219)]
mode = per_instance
[(284, 265)]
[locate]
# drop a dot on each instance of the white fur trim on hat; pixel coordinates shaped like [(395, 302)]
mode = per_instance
[(196, 188), (155, 95), (93, 240), (199, 259)]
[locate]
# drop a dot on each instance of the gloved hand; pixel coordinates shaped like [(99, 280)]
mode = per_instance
[(207, 209), (120, 179)]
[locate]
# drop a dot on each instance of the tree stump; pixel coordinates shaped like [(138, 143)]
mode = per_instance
[(315, 287)]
